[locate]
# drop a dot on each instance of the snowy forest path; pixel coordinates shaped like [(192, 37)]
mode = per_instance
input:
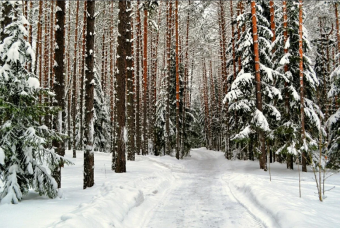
[(200, 197)]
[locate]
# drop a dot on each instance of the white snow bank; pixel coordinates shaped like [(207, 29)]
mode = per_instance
[(107, 209), (277, 203)]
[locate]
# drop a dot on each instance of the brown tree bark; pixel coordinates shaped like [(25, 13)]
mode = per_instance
[(224, 72), (52, 54), (74, 92), (138, 50), (177, 83), (39, 48), (59, 87), (112, 96), (89, 96), (38, 45), (167, 114), (145, 83), (285, 35), (303, 133), (206, 106), (30, 32), (47, 53), (82, 75), (263, 164), (233, 39), (69, 92), (337, 101), (130, 147), (123, 64)]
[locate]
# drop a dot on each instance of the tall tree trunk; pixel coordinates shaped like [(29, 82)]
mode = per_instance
[(82, 75), (39, 49), (224, 72), (206, 105), (167, 114), (74, 92), (30, 32), (303, 133), (233, 40), (52, 54), (138, 50), (263, 164), (59, 86), (177, 83), (130, 147), (123, 64), (285, 35), (145, 82), (337, 102), (69, 92), (286, 68), (47, 47), (89, 96), (112, 96)]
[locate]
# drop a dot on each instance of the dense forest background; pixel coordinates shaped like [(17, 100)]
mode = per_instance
[(254, 79)]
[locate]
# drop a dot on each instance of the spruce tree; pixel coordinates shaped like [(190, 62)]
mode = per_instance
[(26, 156), (242, 94), (289, 129)]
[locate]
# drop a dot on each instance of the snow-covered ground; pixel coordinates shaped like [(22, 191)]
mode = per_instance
[(204, 190)]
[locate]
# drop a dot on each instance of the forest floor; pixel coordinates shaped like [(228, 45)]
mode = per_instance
[(203, 190)]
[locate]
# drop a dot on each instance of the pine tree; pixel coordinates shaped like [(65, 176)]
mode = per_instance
[(123, 67), (26, 160), (59, 84), (89, 96)]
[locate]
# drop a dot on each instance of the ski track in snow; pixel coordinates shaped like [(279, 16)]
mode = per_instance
[(200, 197)]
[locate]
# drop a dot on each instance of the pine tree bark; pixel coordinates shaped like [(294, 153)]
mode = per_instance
[(177, 83), (74, 92), (167, 114), (138, 50), (59, 87), (303, 133), (39, 48), (82, 75), (285, 35), (89, 96), (337, 102), (30, 32), (52, 56), (112, 95), (145, 82), (225, 74), (69, 98), (337, 26), (123, 64), (47, 54), (263, 164), (130, 147), (206, 105), (233, 39), (38, 44)]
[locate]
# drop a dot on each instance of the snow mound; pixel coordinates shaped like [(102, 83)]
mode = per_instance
[(107, 209)]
